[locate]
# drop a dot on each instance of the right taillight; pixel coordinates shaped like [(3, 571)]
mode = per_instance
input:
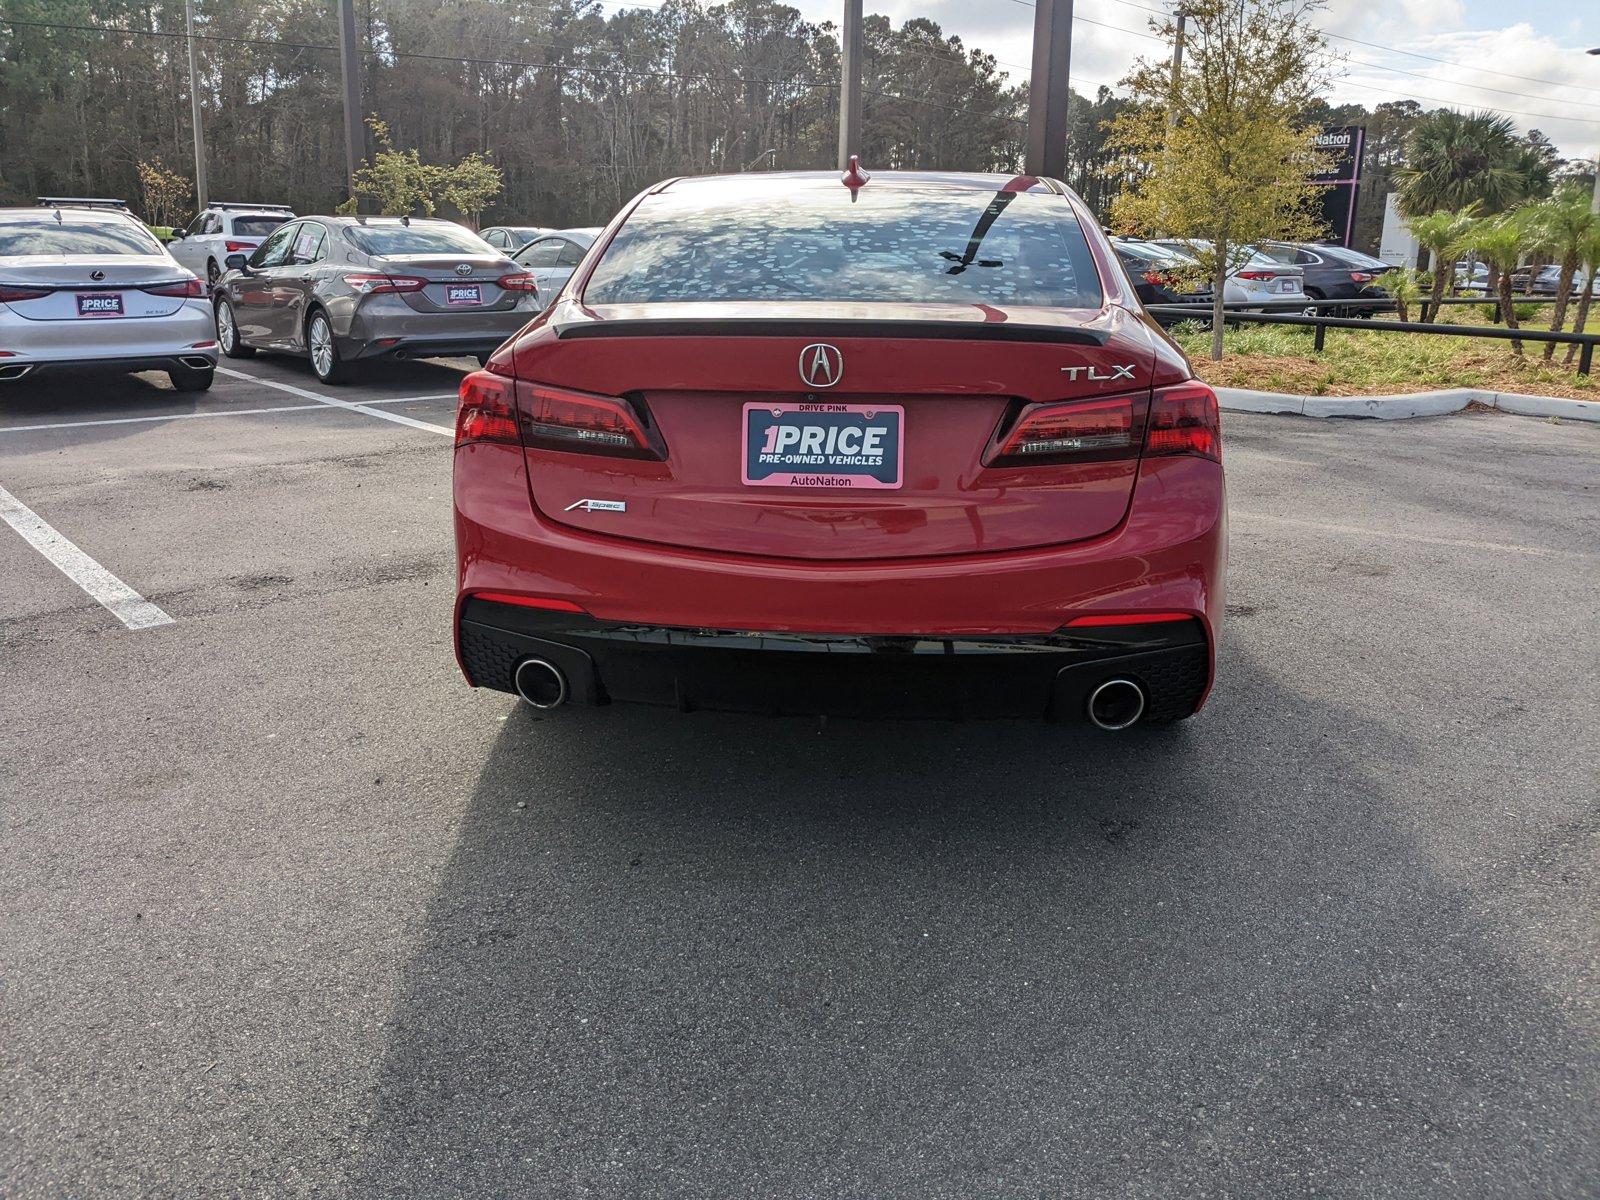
[(1184, 420), (1076, 430)]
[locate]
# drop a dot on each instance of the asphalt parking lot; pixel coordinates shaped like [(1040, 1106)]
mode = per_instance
[(289, 910)]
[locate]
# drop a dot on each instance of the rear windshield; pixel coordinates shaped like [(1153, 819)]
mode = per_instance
[(896, 245), (417, 239), (70, 236), (256, 226)]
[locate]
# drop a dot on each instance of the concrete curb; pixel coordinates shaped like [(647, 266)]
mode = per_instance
[(1416, 404)]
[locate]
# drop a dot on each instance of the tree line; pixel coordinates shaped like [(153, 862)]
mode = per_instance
[(576, 107)]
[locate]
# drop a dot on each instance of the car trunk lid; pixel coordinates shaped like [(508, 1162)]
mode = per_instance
[(719, 384), (69, 287), (454, 282)]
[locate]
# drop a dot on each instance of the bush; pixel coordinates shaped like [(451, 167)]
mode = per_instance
[(1524, 312)]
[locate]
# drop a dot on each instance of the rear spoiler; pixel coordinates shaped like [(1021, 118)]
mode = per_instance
[(958, 331)]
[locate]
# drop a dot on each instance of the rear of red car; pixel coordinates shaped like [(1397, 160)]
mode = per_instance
[(787, 446)]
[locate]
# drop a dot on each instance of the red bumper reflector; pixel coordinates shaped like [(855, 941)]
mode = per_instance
[(1139, 618), (543, 602)]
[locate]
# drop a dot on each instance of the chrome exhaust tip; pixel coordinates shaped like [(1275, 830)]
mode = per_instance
[(1116, 704), (540, 683), (15, 370), (197, 362)]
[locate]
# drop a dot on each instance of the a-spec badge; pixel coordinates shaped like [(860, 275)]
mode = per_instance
[(1096, 375), (599, 505)]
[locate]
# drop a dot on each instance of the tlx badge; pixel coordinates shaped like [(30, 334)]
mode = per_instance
[(1096, 375)]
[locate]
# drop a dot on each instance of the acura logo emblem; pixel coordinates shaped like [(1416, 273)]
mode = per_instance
[(821, 365), (463, 268)]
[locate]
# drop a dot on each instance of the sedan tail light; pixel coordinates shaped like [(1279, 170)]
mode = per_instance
[(519, 283), (239, 247), (561, 420), (10, 293), (188, 288), (371, 285), (1257, 276), (495, 408), (1076, 430), (1184, 420), (1362, 276), (488, 410)]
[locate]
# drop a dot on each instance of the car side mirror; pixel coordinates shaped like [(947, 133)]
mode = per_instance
[(179, 234), (236, 262)]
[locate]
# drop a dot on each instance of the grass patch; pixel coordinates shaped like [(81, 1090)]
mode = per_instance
[(1366, 362)]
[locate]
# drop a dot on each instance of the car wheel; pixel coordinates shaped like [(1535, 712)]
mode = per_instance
[(212, 274), (323, 351), (191, 379), (228, 333)]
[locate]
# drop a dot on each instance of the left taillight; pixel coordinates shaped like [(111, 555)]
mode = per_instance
[(497, 408), (187, 288), (487, 411), (1076, 430), (10, 294), (1184, 420)]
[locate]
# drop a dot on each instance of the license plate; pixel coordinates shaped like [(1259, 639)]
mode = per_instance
[(824, 445), (464, 293), (1283, 285), (99, 304)]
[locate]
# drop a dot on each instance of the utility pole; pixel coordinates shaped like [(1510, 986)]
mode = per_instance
[(1047, 89), (850, 85), (1594, 205), (355, 138), (1177, 71), (201, 195)]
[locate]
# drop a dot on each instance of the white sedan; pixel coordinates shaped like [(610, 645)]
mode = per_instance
[(92, 288), (1254, 278)]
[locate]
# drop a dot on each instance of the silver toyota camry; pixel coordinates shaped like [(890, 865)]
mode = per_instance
[(346, 290), (90, 287)]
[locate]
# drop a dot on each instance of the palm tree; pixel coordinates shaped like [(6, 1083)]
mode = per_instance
[(1561, 225), (1437, 233), (1591, 264), (1501, 242), (1453, 159)]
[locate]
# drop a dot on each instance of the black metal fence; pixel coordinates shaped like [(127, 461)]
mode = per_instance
[(1295, 312)]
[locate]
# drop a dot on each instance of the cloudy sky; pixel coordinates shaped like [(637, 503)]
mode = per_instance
[(1525, 59)]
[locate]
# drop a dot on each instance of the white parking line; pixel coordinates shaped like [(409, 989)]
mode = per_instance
[(223, 412), (132, 609), (332, 403)]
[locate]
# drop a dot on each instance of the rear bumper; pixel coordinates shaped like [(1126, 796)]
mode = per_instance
[(388, 346), (989, 613), (12, 369), (796, 674)]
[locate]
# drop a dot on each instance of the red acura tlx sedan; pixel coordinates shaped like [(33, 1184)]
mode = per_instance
[(791, 443)]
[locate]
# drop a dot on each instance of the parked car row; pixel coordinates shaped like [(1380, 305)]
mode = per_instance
[(1167, 271), (83, 283)]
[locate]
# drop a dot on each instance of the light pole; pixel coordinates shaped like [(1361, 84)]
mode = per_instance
[(850, 85), (1047, 89), (1594, 205), (200, 193), (355, 138)]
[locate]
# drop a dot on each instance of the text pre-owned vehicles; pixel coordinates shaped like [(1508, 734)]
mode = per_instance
[(552, 259), (788, 446), (342, 290), (1332, 272), (92, 288), (511, 237), (223, 229)]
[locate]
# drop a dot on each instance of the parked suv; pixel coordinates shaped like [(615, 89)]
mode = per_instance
[(341, 290), (223, 229)]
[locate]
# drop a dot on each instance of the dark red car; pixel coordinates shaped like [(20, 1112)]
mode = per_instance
[(785, 445)]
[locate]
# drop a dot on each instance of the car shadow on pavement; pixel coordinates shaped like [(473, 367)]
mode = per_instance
[(65, 396), (719, 956)]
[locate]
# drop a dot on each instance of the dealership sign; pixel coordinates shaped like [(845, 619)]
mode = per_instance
[(1341, 181)]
